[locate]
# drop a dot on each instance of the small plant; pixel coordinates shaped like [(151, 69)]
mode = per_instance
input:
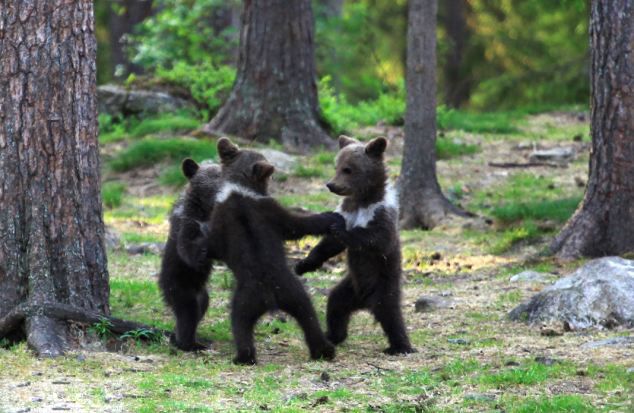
[(143, 334), (102, 328), (112, 194), (167, 123)]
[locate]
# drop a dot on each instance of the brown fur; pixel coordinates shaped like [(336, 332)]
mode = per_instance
[(185, 266), (249, 229), (370, 237)]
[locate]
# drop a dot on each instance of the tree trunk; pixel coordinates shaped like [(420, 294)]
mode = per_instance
[(124, 14), (457, 80), (275, 92), (604, 223), (51, 226), (422, 201)]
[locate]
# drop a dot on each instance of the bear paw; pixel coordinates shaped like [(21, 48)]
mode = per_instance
[(304, 266), (326, 352), (396, 350)]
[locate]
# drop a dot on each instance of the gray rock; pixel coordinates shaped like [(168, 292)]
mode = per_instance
[(529, 276), (112, 238), (613, 342), (281, 161), (118, 101), (479, 397), (155, 248), (599, 294), (563, 154), (630, 370), (427, 303)]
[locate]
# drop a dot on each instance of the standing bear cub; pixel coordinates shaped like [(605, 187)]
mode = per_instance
[(185, 266), (249, 229), (370, 235)]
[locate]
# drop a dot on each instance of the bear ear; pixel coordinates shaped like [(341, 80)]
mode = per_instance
[(262, 170), (376, 147), (190, 167), (227, 149), (345, 141)]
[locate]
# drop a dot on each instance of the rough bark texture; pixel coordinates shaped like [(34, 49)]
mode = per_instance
[(422, 202), (122, 24), (604, 223), (275, 92), (51, 226), (457, 79)]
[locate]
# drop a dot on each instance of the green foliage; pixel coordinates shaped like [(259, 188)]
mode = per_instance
[(345, 117), (149, 151), (450, 148), (180, 32), (562, 403), (102, 328), (208, 84), (492, 122), (115, 130), (533, 52), (143, 334), (559, 210), (112, 194)]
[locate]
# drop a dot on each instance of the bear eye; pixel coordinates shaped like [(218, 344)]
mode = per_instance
[(346, 171)]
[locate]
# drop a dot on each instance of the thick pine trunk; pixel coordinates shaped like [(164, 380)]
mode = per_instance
[(275, 92), (604, 223), (51, 226), (422, 201)]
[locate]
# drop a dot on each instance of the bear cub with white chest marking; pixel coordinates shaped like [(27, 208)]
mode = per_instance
[(249, 229), (185, 266), (370, 235)]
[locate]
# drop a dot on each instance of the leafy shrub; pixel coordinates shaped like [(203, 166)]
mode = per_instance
[(149, 151), (112, 194), (344, 117), (208, 84), (164, 123)]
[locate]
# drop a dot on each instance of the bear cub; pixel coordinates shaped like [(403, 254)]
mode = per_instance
[(249, 229), (185, 266), (370, 235)]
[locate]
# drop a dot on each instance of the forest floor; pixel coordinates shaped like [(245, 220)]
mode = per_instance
[(470, 358)]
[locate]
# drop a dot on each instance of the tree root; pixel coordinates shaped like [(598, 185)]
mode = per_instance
[(44, 327)]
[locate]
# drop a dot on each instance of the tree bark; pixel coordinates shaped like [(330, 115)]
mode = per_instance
[(604, 223), (275, 92), (51, 226), (122, 24), (422, 201), (457, 79)]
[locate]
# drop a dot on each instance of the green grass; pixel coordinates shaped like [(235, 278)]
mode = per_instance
[(149, 210), (491, 122), (448, 148), (559, 210), (529, 374), (316, 202), (555, 404), (150, 151), (112, 194)]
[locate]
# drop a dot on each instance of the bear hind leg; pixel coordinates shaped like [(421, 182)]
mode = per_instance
[(342, 302), (294, 300), (388, 313), (246, 308), (187, 309)]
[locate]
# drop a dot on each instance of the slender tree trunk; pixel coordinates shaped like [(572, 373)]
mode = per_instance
[(604, 223), (457, 80), (51, 226), (124, 14), (275, 92), (422, 201)]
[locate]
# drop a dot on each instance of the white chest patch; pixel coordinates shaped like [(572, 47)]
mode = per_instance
[(363, 216), (229, 188)]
